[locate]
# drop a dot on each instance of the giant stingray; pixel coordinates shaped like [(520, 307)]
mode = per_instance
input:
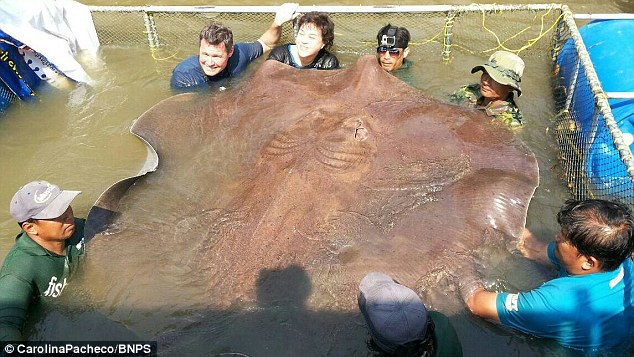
[(335, 173)]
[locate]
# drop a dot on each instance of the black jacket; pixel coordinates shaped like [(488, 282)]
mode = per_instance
[(323, 60)]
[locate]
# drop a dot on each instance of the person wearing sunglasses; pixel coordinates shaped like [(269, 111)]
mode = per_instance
[(392, 47), (46, 254), (315, 36), (501, 75)]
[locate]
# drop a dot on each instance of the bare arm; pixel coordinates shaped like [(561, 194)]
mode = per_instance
[(482, 303), (272, 35), (479, 301)]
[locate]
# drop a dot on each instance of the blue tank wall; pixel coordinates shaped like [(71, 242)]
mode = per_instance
[(610, 44)]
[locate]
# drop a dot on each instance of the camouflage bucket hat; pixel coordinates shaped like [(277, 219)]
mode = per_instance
[(505, 68)]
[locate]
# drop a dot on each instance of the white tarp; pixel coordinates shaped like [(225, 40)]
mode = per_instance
[(57, 29)]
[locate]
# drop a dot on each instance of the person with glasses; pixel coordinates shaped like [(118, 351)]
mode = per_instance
[(315, 36), (46, 253), (392, 47), (501, 75), (590, 305), (219, 58), (400, 325)]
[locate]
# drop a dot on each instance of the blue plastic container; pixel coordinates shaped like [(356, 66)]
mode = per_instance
[(610, 44)]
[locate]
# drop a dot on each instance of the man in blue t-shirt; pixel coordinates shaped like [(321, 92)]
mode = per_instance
[(218, 58), (590, 304)]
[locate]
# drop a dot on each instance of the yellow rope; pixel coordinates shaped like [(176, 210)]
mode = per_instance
[(530, 42), (154, 50), (501, 44), (542, 32)]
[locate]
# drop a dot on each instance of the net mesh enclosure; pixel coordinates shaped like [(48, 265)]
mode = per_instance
[(594, 144), (594, 153), (6, 97)]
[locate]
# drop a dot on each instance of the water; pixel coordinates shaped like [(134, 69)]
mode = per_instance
[(79, 138)]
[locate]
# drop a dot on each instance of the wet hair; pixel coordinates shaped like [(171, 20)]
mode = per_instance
[(322, 21), (216, 34), (401, 35), (598, 228)]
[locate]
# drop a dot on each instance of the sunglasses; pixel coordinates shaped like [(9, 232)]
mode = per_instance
[(394, 51)]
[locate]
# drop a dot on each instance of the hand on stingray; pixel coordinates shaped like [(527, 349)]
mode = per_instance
[(533, 248), (468, 278)]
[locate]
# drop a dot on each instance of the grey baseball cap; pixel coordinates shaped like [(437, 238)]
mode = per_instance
[(394, 313), (40, 200)]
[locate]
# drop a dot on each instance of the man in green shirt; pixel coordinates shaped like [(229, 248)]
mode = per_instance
[(45, 255), (501, 75), (399, 323)]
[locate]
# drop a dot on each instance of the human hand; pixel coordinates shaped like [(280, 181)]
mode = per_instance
[(285, 13), (524, 243), (467, 278), (532, 248), (468, 284)]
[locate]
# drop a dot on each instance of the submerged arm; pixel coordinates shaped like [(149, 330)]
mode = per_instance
[(15, 297)]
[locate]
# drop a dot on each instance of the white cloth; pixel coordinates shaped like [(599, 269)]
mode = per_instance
[(57, 29)]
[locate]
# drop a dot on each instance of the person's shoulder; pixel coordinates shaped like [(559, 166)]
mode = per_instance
[(439, 318), (21, 259), (326, 60), (466, 92), (327, 54), (447, 342), (243, 45), (628, 267), (472, 90), (279, 49), (188, 74), (24, 246), (510, 114), (280, 53), (250, 49), (564, 290), (331, 61), (187, 64), (243, 54)]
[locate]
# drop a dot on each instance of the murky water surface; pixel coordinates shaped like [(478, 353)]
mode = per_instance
[(79, 138)]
